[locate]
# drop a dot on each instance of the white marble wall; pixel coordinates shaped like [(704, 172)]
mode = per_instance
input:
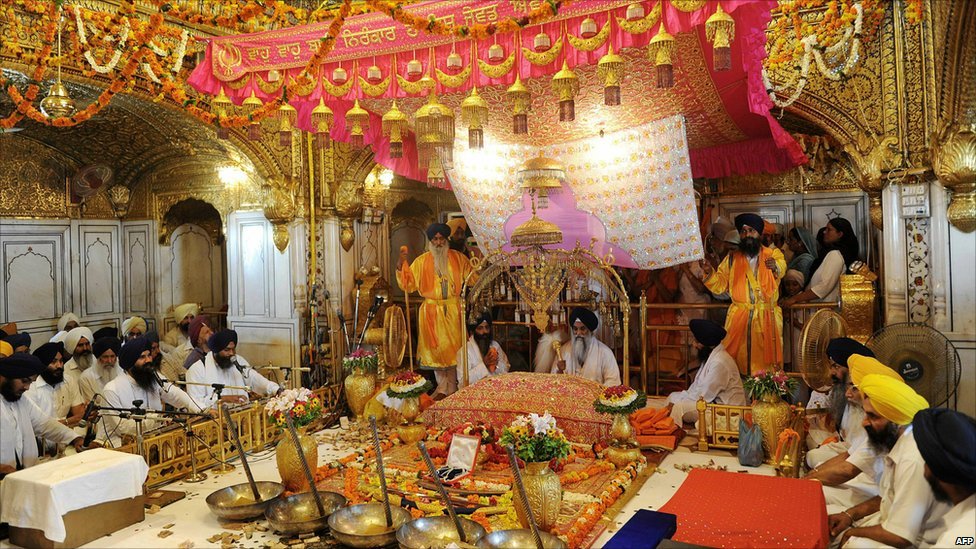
[(191, 270)]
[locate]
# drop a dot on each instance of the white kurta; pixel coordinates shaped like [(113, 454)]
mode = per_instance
[(172, 365), (20, 422), (599, 365), (94, 379), (123, 390), (476, 363), (862, 487), (207, 371), (825, 282), (960, 522), (73, 370), (54, 400), (908, 506), (717, 381)]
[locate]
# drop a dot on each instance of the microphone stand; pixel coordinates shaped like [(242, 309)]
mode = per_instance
[(294, 372), (223, 466), (191, 447)]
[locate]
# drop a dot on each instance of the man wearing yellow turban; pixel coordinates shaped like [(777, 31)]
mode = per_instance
[(906, 513)]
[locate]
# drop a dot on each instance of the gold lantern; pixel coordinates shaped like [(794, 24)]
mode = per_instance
[(58, 103), (660, 50), (610, 69), (565, 84), (541, 42), (414, 68), (588, 28), (434, 123), (720, 31), (286, 120), (538, 176), (521, 101), (374, 75), (394, 126), (474, 113), (322, 118), (357, 120), (454, 61), (221, 104), (496, 53), (251, 104), (635, 11), (339, 76)]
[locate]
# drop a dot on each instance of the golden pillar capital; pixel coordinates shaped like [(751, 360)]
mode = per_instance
[(280, 209), (954, 159), (349, 207)]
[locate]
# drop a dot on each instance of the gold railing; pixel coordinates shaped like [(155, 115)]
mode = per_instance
[(168, 455)]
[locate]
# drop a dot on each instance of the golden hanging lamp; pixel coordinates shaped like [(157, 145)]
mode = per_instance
[(251, 104), (536, 232), (610, 69), (720, 31), (521, 101), (539, 176), (394, 126), (286, 120), (474, 113), (434, 124), (660, 50), (58, 103), (322, 118), (221, 104), (357, 119), (565, 84)]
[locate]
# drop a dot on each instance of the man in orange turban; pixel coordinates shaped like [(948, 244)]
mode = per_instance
[(906, 513)]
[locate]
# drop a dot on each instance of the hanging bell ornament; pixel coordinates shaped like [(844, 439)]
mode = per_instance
[(357, 120), (635, 11), (660, 51), (221, 105), (454, 62), (474, 113), (339, 76), (322, 118), (286, 119), (434, 124), (541, 42), (496, 53), (251, 104), (374, 75), (394, 126), (588, 28), (414, 69), (720, 31), (521, 101), (565, 84), (610, 70)]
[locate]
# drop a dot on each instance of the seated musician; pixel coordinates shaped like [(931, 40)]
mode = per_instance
[(141, 383), (223, 366), (717, 380)]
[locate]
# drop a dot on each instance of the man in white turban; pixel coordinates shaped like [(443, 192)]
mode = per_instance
[(67, 322), (178, 336), (78, 342), (133, 327)]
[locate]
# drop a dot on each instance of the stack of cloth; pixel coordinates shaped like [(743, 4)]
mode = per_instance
[(655, 428)]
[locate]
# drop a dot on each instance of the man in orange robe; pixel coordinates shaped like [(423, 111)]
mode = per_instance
[(437, 276), (751, 276)]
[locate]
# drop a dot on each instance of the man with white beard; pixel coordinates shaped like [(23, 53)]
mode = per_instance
[(94, 379), (78, 342), (485, 356), (584, 355), (437, 276)]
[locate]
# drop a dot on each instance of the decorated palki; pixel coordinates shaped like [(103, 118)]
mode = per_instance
[(302, 407), (537, 441), (407, 387), (620, 401), (771, 413)]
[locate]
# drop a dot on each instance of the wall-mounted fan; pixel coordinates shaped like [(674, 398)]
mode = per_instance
[(90, 180)]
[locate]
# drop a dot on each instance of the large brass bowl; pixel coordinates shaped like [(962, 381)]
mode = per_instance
[(519, 539), (364, 525), (298, 514), (237, 502), (436, 533)]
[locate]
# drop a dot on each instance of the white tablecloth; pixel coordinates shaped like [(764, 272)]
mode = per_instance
[(39, 496)]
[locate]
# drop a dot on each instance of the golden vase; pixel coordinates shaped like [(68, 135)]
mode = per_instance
[(359, 389), (409, 431), (772, 414), (290, 463), (545, 495), (623, 448)]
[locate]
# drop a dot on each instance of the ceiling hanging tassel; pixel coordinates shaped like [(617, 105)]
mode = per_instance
[(720, 31), (565, 84), (251, 104), (357, 119), (221, 106), (474, 113), (286, 119), (322, 118), (610, 69), (394, 126), (434, 123), (660, 50)]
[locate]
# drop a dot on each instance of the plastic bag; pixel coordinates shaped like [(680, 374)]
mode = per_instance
[(750, 443)]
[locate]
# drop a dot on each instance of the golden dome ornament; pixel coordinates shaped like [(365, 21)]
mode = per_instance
[(221, 104), (322, 118), (251, 104), (521, 100), (474, 114), (434, 124), (539, 176), (720, 31), (357, 120), (536, 232), (286, 119), (565, 84), (610, 70), (394, 126), (58, 103), (660, 50)]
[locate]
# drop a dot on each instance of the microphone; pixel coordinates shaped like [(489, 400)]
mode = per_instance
[(90, 427), (238, 366)]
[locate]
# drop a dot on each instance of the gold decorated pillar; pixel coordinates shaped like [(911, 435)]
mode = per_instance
[(954, 160), (349, 208)]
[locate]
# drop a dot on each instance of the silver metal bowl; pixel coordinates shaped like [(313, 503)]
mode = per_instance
[(237, 502), (298, 514), (436, 532), (364, 525), (519, 539)]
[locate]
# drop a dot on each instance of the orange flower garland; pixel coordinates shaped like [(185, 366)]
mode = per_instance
[(50, 29), (596, 468), (790, 29)]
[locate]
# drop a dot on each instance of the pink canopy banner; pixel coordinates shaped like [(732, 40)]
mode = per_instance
[(262, 63), (630, 191)]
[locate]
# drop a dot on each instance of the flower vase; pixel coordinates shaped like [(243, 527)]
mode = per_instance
[(772, 414), (359, 389), (623, 448), (544, 492), (290, 463), (409, 431)]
